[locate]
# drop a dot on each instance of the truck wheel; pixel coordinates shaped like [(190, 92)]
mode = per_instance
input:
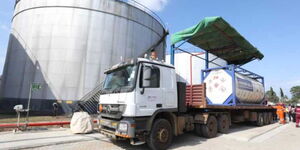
[(260, 119), (270, 116), (210, 129), (266, 118), (198, 129), (161, 135), (223, 124)]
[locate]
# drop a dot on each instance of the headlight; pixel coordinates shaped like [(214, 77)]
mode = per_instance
[(100, 108), (123, 127)]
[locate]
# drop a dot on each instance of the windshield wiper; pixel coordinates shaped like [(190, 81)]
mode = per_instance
[(125, 89), (117, 90), (105, 90)]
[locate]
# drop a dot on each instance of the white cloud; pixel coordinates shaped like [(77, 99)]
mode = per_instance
[(154, 5), (4, 27), (294, 82)]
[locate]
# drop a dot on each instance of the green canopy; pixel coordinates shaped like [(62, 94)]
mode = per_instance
[(216, 36)]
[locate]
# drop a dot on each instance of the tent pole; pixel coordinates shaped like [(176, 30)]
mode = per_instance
[(172, 54), (206, 60)]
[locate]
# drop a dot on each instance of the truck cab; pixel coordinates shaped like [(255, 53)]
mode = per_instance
[(133, 92)]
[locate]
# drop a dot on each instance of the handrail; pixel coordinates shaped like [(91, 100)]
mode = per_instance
[(146, 9), (89, 102), (17, 1)]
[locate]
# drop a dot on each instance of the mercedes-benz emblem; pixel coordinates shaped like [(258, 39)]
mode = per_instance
[(108, 108)]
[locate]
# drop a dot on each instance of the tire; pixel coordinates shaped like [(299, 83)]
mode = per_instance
[(161, 135), (198, 129), (210, 129), (223, 124), (266, 118), (260, 119), (270, 116)]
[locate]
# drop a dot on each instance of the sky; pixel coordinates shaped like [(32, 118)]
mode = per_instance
[(273, 26)]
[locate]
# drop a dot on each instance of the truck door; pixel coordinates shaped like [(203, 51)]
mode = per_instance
[(168, 87), (149, 93)]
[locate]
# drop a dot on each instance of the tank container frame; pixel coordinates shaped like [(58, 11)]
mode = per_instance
[(231, 69)]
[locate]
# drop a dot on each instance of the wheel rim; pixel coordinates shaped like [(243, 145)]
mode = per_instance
[(211, 126), (224, 123), (163, 135), (261, 120)]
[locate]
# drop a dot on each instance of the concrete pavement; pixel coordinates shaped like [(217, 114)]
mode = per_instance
[(271, 137), (33, 139)]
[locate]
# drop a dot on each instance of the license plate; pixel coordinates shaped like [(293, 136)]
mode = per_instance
[(109, 123)]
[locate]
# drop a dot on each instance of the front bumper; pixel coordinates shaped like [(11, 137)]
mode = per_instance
[(111, 128)]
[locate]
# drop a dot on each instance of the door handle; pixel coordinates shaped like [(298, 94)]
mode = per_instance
[(158, 105)]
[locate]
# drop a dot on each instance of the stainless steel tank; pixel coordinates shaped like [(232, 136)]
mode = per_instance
[(248, 90), (219, 88), (67, 44)]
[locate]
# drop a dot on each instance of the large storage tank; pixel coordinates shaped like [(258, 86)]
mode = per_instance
[(67, 44), (222, 87), (188, 67)]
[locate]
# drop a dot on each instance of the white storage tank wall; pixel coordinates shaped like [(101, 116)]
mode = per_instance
[(183, 63), (67, 44)]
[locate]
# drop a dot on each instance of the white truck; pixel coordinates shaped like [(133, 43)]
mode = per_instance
[(142, 101), (145, 101)]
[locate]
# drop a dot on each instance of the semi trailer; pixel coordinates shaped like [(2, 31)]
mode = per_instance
[(145, 100)]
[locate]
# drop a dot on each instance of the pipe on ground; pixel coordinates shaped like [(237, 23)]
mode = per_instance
[(35, 124)]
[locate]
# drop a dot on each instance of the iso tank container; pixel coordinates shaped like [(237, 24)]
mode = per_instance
[(188, 67), (65, 45), (231, 85)]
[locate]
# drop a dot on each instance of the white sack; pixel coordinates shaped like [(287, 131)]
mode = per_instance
[(81, 122)]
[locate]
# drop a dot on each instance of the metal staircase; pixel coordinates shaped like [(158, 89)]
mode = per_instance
[(89, 102)]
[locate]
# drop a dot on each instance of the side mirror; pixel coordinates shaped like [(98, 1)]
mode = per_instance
[(146, 76)]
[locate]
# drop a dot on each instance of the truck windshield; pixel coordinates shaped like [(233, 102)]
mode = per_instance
[(120, 80)]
